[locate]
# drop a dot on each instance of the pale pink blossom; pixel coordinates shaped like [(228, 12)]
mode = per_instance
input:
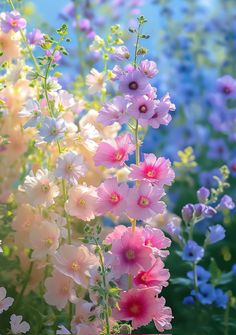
[(163, 316), (59, 290), (44, 239), (81, 202), (82, 313), (116, 234), (153, 169), (129, 254), (5, 302), (17, 325), (112, 197), (75, 263), (144, 201), (156, 239), (113, 153), (95, 81), (40, 188)]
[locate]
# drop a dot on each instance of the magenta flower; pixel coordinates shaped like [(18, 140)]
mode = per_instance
[(144, 201), (12, 21), (141, 108), (56, 55), (138, 305), (112, 197), (148, 67), (156, 276), (161, 113), (153, 169), (113, 153), (134, 84), (113, 112), (129, 254), (35, 37)]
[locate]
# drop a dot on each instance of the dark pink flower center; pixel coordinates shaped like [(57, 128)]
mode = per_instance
[(233, 167), (143, 201), (143, 109), (115, 198), (150, 172), (119, 155), (133, 85), (130, 254), (226, 89)]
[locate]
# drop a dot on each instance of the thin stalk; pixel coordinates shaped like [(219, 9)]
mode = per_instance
[(226, 319), (25, 283)]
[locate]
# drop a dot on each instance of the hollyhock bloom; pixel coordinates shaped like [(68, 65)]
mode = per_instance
[(95, 81), (153, 169), (221, 298), (226, 203), (163, 316), (9, 47), (56, 56), (148, 67), (83, 311), (32, 110), (44, 239), (112, 197), (5, 303), (84, 25), (144, 201), (161, 113), (138, 305), (59, 290), (52, 129), (202, 275), (116, 234), (40, 188), (35, 37), (129, 254), (192, 252), (74, 262), (81, 202), (121, 53), (141, 108), (17, 325), (227, 86), (215, 234), (70, 166), (63, 101), (114, 111), (113, 153), (156, 276), (12, 21), (134, 83), (156, 239)]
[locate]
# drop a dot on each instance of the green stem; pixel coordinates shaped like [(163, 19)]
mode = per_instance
[(226, 319), (25, 283)]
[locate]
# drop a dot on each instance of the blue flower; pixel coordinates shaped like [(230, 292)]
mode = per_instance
[(226, 203), (206, 294), (192, 252), (52, 129), (221, 298), (216, 233), (189, 300), (234, 269), (202, 275)]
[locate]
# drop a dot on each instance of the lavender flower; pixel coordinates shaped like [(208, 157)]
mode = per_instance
[(221, 298), (226, 203), (192, 252), (216, 233), (32, 110), (113, 112), (134, 84), (52, 129), (35, 37), (148, 67), (227, 86), (12, 21), (203, 194), (121, 53), (187, 212)]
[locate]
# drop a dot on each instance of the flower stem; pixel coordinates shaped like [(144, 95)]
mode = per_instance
[(226, 319), (25, 283)]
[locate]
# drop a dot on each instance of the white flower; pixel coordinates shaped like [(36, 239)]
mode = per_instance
[(64, 101), (5, 303), (95, 81), (98, 44), (17, 326), (62, 330)]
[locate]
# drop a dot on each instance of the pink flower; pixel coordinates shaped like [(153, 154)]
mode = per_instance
[(17, 325), (129, 254), (141, 108), (115, 234), (156, 276), (134, 83), (161, 113), (44, 239), (74, 262), (81, 318), (114, 111), (112, 197), (144, 201), (56, 55), (163, 316), (138, 305), (156, 239), (113, 153), (12, 21), (59, 289), (156, 170), (5, 303), (95, 81), (148, 67), (81, 202)]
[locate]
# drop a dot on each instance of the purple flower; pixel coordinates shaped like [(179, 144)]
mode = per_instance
[(121, 53), (202, 275), (192, 252), (203, 194), (148, 67), (189, 300), (216, 233), (35, 37), (12, 21), (113, 112), (56, 56), (221, 298), (161, 113), (52, 129), (134, 84), (226, 203), (218, 149), (206, 294), (187, 212), (141, 108), (84, 25), (227, 86)]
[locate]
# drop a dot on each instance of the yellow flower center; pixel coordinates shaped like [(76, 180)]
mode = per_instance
[(75, 266), (130, 254)]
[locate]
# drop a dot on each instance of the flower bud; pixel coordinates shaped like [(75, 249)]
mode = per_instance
[(187, 212), (203, 194)]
